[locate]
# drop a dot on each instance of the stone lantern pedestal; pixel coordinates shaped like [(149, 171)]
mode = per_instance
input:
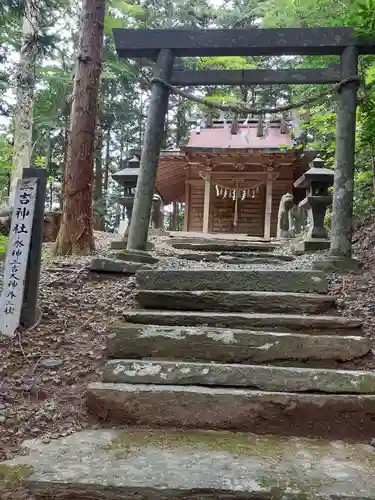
[(317, 181)]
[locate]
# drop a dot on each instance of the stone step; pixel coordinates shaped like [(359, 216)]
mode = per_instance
[(237, 257), (135, 464), (264, 378), (314, 325), (115, 266), (219, 246), (338, 416), (134, 256), (230, 345), (272, 302), (262, 280)]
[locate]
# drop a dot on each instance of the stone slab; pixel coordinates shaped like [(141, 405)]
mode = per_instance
[(313, 325), (262, 280), (115, 266), (230, 345), (196, 465), (218, 246), (194, 235), (236, 257), (264, 378), (343, 416), (229, 259), (313, 245), (119, 244), (135, 256), (123, 244), (272, 302), (337, 265)]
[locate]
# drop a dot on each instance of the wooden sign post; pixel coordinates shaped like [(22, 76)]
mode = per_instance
[(17, 256)]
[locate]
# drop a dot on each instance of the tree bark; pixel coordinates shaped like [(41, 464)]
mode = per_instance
[(76, 230), (25, 95), (98, 185), (107, 158)]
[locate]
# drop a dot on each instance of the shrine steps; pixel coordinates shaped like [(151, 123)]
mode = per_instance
[(218, 403), (237, 257), (212, 245), (333, 416), (263, 378), (250, 370), (232, 301), (229, 345), (308, 324), (240, 280), (140, 464)]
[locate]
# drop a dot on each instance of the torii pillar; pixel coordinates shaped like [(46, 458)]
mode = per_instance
[(154, 134)]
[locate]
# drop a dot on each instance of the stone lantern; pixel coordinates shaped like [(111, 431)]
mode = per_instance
[(127, 179), (317, 180)]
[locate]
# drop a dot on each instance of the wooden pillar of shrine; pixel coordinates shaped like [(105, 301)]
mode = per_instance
[(187, 206), (174, 216), (268, 207), (206, 205), (154, 134), (343, 184)]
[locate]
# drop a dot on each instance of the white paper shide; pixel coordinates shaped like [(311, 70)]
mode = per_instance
[(17, 256)]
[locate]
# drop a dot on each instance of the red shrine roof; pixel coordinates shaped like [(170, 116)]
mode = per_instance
[(246, 137)]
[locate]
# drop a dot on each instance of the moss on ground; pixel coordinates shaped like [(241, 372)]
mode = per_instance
[(231, 442), (15, 473)]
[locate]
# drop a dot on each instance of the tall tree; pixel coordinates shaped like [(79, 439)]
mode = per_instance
[(25, 94), (76, 230)]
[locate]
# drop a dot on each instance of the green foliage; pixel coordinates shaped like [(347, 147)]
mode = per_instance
[(321, 125), (6, 153), (3, 244)]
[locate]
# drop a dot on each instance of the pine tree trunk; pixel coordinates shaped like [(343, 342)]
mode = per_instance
[(25, 95), (76, 230)]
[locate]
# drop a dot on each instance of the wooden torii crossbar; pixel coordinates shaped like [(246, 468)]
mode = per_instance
[(165, 45)]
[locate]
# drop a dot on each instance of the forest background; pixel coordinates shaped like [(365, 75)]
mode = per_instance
[(46, 36)]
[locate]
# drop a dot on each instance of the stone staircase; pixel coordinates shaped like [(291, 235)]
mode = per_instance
[(248, 350), (230, 385)]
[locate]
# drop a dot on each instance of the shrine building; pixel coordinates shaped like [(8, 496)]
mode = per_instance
[(232, 175)]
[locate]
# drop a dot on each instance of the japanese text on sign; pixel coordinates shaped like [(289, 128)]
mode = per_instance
[(17, 256)]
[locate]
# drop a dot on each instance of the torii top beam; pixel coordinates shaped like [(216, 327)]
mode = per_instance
[(136, 43)]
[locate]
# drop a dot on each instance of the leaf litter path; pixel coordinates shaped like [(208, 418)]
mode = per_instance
[(44, 372)]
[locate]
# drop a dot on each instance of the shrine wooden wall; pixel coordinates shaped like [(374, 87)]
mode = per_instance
[(251, 211), (250, 215)]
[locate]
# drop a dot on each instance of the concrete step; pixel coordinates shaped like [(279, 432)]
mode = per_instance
[(261, 280), (230, 345), (272, 302), (135, 464), (314, 325), (220, 246), (264, 378), (338, 416)]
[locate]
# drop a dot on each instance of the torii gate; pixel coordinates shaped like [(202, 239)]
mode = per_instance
[(165, 45)]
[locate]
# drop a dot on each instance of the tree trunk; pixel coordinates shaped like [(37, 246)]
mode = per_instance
[(98, 185), (25, 95), (76, 230), (107, 159), (65, 161)]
